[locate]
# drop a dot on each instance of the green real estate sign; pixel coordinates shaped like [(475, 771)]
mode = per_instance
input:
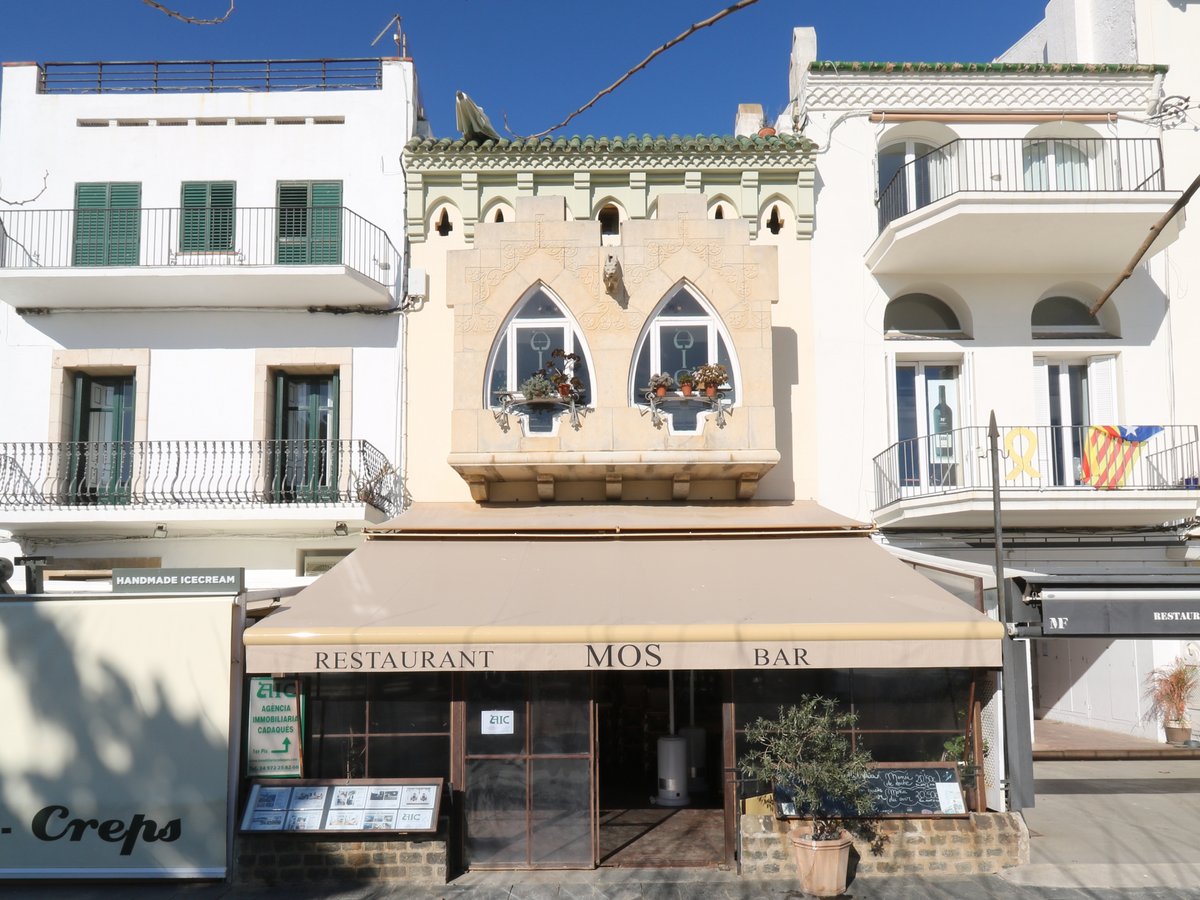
[(273, 729)]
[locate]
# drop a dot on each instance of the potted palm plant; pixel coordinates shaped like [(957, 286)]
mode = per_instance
[(1168, 688), (804, 754), (686, 382)]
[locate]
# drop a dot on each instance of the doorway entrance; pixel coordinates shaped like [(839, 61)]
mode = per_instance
[(641, 821)]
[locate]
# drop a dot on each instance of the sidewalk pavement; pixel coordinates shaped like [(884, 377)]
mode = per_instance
[(1101, 830), (608, 884)]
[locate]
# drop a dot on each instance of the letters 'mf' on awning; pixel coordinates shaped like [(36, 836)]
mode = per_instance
[(529, 603)]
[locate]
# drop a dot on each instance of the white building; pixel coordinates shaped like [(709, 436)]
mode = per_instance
[(968, 217), (199, 273), (201, 355)]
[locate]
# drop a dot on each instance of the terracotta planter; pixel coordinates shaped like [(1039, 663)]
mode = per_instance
[(564, 390), (661, 390), (1177, 732), (824, 865), (687, 389), (710, 390)]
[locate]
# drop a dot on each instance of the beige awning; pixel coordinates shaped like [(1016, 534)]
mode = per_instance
[(524, 602)]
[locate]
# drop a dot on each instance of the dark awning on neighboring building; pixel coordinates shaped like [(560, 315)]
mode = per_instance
[(1142, 604)]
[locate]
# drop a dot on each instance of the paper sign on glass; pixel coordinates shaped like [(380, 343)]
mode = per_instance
[(496, 721)]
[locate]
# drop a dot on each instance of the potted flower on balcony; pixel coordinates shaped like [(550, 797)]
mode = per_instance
[(712, 376), (805, 754), (686, 383), (560, 372), (537, 387), (1168, 688), (661, 383)]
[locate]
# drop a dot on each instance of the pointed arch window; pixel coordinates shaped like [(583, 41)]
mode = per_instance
[(682, 334), (536, 328)]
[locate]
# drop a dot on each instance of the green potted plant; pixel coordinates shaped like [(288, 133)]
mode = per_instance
[(712, 376), (1168, 688), (537, 387), (687, 382), (804, 752), (661, 383)]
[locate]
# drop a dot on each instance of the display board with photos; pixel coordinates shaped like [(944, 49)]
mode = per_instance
[(398, 805)]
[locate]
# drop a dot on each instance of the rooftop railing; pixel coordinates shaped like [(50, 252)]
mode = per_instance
[(165, 474), (1019, 165), (1039, 458), (197, 237), (211, 76)]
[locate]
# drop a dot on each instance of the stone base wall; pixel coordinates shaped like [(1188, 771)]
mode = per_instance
[(270, 859), (981, 844)]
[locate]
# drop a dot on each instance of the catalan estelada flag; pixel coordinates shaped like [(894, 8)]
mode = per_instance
[(1109, 452)]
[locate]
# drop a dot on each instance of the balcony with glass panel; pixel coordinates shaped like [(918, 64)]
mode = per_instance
[(207, 256), (115, 486), (1044, 204), (1070, 476)]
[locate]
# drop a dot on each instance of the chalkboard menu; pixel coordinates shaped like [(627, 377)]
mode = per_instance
[(401, 804), (900, 789)]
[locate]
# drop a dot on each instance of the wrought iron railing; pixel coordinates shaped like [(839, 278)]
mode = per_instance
[(197, 237), (167, 474), (1016, 165), (1039, 458), (211, 76)]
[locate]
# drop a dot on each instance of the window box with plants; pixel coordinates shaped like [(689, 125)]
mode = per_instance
[(554, 384)]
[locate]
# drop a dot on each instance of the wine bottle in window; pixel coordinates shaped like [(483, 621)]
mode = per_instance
[(943, 424)]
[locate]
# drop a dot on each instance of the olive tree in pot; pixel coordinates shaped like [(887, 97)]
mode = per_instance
[(804, 752), (1168, 688)]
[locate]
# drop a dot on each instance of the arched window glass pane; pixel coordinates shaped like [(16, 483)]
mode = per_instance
[(682, 336), (920, 314), (527, 343), (539, 306), (682, 304), (1063, 312)]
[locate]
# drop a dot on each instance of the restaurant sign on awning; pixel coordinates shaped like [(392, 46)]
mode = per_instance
[(1096, 615)]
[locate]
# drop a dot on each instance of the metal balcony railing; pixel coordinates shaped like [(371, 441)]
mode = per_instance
[(211, 76), (197, 237), (1021, 165), (1038, 458), (164, 474)]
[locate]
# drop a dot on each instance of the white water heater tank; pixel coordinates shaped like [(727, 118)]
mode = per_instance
[(673, 772)]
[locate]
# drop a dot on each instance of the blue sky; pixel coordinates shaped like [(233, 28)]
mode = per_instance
[(537, 60)]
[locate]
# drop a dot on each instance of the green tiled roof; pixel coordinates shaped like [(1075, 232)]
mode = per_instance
[(630, 144), (992, 68)]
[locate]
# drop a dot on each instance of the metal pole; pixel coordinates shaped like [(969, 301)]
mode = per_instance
[(1014, 673)]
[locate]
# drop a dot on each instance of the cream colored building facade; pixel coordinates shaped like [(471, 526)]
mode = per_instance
[(692, 215)]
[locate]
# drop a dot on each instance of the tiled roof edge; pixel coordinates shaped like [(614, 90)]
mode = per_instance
[(990, 68), (631, 143)]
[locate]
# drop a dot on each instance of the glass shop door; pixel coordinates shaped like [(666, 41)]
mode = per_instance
[(530, 771)]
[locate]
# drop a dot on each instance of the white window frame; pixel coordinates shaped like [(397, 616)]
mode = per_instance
[(715, 333), (506, 336)]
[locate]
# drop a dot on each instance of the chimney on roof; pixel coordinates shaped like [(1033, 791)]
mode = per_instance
[(749, 119)]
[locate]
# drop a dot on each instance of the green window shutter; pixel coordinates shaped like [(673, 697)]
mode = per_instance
[(310, 223), (292, 243), (91, 232), (124, 223), (222, 197), (193, 217), (326, 222), (207, 217)]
